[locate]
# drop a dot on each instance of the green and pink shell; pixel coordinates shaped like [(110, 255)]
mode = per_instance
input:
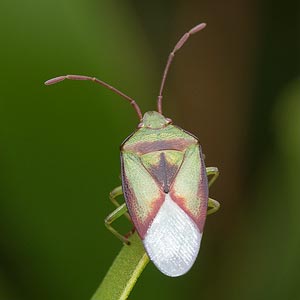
[(166, 191)]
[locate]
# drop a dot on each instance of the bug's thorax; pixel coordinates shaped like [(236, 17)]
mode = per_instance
[(154, 120), (157, 133)]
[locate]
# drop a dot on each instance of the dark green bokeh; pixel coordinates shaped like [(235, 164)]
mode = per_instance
[(59, 145)]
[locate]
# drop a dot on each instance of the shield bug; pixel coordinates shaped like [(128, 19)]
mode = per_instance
[(164, 181)]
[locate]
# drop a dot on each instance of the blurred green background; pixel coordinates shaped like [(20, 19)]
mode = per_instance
[(235, 85)]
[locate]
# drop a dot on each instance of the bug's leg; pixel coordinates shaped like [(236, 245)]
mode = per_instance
[(214, 172), (213, 206), (120, 211), (113, 195)]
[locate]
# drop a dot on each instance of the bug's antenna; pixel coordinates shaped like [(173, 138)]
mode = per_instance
[(179, 44), (94, 79)]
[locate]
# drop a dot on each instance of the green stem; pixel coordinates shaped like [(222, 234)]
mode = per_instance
[(124, 272)]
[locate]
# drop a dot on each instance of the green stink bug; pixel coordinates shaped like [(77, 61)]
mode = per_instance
[(164, 181)]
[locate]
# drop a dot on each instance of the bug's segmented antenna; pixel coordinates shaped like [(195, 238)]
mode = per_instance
[(96, 80), (179, 44)]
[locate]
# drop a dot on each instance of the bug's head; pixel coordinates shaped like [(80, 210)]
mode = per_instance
[(154, 120)]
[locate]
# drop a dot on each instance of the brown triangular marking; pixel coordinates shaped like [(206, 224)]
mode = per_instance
[(164, 172)]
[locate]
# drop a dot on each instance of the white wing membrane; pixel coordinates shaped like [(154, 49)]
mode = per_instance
[(172, 240)]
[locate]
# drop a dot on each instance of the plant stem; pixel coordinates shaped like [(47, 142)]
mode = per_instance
[(124, 272)]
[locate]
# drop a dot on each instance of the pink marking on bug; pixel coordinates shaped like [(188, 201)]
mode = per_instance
[(146, 147), (200, 218), (131, 202), (143, 227), (202, 195)]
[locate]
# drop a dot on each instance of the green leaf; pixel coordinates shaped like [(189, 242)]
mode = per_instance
[(124, 272)]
